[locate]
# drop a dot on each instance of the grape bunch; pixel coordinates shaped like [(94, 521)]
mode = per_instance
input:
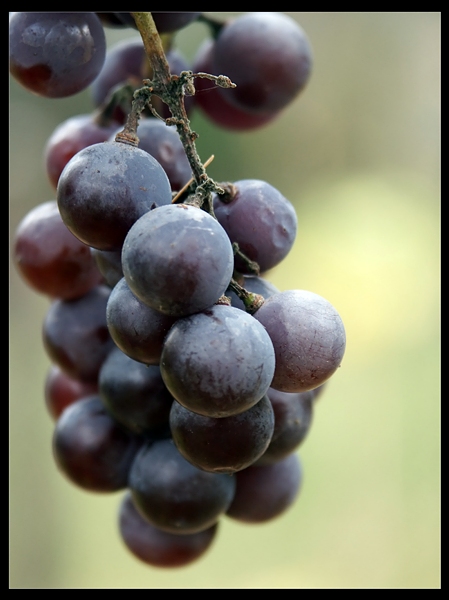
[(180, 375)]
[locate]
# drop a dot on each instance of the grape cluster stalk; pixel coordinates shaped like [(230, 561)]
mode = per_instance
[(180, 375)]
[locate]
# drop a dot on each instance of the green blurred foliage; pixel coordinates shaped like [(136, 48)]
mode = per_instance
[(358, 153)]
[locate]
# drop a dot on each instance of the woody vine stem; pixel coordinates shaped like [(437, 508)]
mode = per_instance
[(172, 89)]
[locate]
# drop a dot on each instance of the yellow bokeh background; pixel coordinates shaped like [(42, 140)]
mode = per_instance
[(358, 154)]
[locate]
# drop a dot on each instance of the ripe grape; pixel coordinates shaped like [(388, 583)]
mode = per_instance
[(269, 58), (308, 336), (218, 362), (263, 493), (160, 548), (76, 336), (172, 494), (293, 414), (56, 54), (223, 445), (214, 101), (109, 263), (91, 449), (260, 220), (136, 328), (177, 259), (50, 258), (134, 393), (105, 188)]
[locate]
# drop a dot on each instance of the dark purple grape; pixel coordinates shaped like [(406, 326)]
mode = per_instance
[(213, 101), (159, 548), (105, 188), (70, 137), (225, 445), (61, 390), (293, 414), (109, 263), (172, 494), (56, 54), (91, 449), (308, 336), (177, 259), (76, 336), (50, 258), (269, 58), (134, 393), (264, 493), (260, 220), (219, 362), (164, 143), (138, 330), (256, 285)]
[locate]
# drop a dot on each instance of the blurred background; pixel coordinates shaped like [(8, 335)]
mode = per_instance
[(358, 154)]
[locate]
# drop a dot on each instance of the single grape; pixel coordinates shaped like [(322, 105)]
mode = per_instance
[(260, 220), (156, 547), (136, 328), (269, 58), (56, 54), (50, 258), (308, 336), (109, 263), (91, 449), (225, 445), (76, 336), (105, 188), (266, 492), (134, 393), (293, 414), (214, 102), (172, 494), (177, 259), (219, 362)]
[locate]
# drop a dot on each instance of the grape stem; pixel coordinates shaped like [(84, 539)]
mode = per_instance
[(177, 197), (251, 300), (172, 89)]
